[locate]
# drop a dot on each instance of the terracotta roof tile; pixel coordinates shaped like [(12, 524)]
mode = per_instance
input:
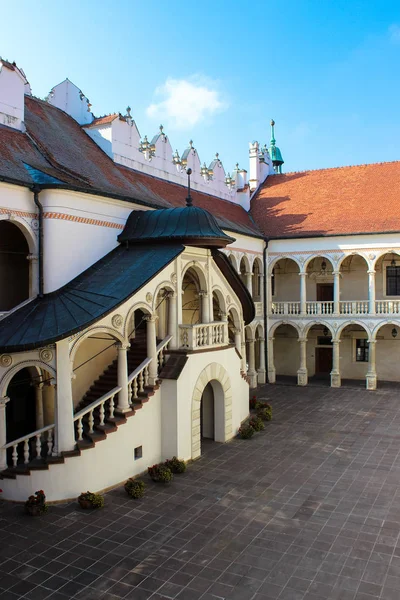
[(62, 149), (102, 121), (344, 200)]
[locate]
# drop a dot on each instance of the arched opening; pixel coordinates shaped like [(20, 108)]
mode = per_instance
[(354, 352), (192, 312), (286, 353), (14, 266), (162, 309), (218, 306), (319, 286), (30, 407), (234, 324), (95, 368), (233, 262), (319, 357), (212, 413), (388, 353), (354, 285), (387, 284), (256, 280), (245, 272), (286, 287)]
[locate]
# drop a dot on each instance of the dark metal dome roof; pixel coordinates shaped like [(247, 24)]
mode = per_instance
[(191, 225)]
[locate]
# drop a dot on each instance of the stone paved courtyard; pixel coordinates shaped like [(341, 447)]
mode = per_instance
[(308, 509)]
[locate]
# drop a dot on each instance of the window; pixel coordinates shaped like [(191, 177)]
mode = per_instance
[(393, 281), (362, 350), (138, 452)]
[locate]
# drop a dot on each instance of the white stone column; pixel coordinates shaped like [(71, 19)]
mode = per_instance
[(336, 292), (39, 406), (302, 373), (249, 282), (205, 307), (271, 364), (64, 421), (261, 368), (371, 374), (33, 275), (238, 341), (371, 293), (123, 405), (152, 348), (162, 324), (303, 293), (252, 373), (335, 373), (173, 319), (3, 433), (262, 294)]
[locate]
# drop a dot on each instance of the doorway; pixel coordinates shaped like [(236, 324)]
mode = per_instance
[(324, 292), (207, 413), (323, 362)]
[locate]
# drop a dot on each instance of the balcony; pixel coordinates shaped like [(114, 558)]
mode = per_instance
[(203, 336), (346, 307)]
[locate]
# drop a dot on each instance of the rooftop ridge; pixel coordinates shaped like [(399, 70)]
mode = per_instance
[(387, 162)]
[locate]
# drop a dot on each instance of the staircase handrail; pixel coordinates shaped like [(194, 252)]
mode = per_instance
[(139, 369), (164, 343), (28, 436), (97, 402)]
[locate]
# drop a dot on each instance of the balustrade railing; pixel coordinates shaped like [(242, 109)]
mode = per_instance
[(203, 335), (319, 308), (161, 349), (353, 307), (387, 307), (286, 308), (43, 445), (107, 398)]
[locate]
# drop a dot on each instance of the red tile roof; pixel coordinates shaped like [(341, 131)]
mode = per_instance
[(102, 120), (60, 148), (345, 200)]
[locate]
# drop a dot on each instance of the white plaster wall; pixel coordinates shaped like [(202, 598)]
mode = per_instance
[(69, 98), (12, 85), (287, 282), (86, 374), (286, 351)]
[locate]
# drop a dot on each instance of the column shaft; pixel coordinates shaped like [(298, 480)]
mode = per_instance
[(3, 433), (261, 369), (123, 396), (172, 320), (271, 364), (371, 374), (336, 292), (252, 373), (249, 285), (303, 293), (302, 373), (39, 406), (205, 307), (152, 348), (371, 292), (64, 421), (335, 373)]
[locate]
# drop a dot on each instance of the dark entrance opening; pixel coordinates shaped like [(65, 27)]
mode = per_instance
[(207, 413), (21, 409), (324, 292), (323, 362), (14, 266)]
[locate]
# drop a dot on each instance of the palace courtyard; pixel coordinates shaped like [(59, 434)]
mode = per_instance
[(308, 509)]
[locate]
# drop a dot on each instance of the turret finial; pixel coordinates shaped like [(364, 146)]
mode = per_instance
[(273, 141), (189, 201)]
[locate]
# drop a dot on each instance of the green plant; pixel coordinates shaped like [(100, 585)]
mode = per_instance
[(36, 504), (257, 424), (246, 432), (264, 413), (91, 500), (177, 466), (160, 473), (135, 488), (253, 402)]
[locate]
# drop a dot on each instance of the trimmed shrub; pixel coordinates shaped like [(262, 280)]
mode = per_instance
[(177, 466), (135, 488), (246, 432)]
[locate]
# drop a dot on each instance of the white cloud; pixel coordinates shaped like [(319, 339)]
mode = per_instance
[(394, 33), (186, 102)]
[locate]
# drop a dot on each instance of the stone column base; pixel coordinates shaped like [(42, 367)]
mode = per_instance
[(302, 377), (371, 381), (261, 376), (271, 375), (335, 379)]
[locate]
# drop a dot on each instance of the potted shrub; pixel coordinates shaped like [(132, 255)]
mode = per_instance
[(252, 402), (36, 505), (264, 411), (177, 466), (160, 473), (246, 431), (135, 488), (256, 423), (91, 500)]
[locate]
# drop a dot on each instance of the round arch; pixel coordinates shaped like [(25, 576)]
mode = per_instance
[(200, 272), (319, 322), (275, 326), (360, 254), (213, 372), (233, 261), (257, 260), (326, 257), (379, 326), (275, 260), (259, 332), (382, 253), (221, 298), (143, 306), (166, 285), (25, 230), (347, 323), (37, 365), (107, 330), (235, 315), (244, 258)]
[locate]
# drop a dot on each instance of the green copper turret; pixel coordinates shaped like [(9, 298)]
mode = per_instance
[(274, 151)]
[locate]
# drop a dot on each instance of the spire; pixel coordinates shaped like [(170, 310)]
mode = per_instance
[(274, 151), (189, 201)]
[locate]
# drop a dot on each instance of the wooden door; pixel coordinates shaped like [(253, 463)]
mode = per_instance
[(323, 361), (324, 292)]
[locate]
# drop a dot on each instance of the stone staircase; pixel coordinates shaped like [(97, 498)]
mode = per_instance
[(106, 382)]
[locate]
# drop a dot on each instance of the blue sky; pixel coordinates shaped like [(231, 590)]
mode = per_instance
[(216, 72)]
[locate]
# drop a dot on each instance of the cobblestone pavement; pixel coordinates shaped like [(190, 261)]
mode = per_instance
[(309, 509)]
